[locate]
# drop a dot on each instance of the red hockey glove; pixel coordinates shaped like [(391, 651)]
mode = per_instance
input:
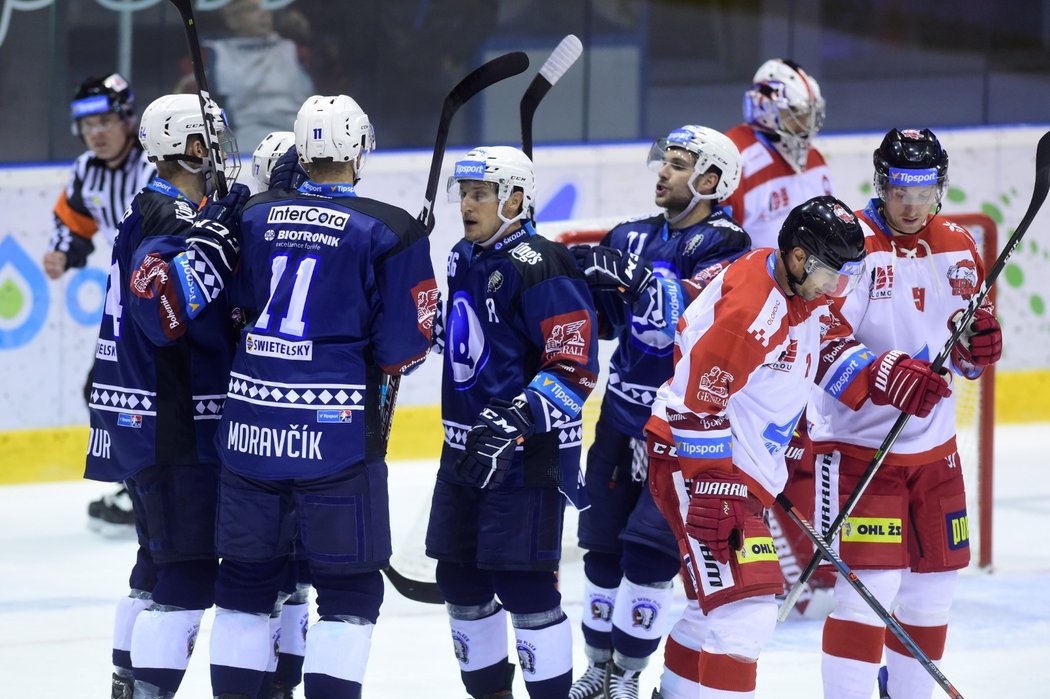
[(905, 383), (981, 343), (717, 511)]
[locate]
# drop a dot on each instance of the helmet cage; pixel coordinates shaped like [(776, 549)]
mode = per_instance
[(785, 101)]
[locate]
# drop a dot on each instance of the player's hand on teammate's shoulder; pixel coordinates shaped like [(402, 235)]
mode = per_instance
[(218, 225)]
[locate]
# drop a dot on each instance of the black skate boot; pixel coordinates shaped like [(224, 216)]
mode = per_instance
[(112, 515), (621, 683), (591, 684)]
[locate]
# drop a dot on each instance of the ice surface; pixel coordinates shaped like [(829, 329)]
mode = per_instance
[(62, 583)]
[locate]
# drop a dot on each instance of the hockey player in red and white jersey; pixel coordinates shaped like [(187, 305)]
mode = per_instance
[(783, 111), (748, 352), (907, 536)]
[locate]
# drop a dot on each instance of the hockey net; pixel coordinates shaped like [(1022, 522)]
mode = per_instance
[(974, 405)]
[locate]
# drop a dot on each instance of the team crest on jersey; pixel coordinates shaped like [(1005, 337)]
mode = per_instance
[(714, 386), (426, 295), (495, 281), (151, 274), (693, 244), (787, 357), (881, 283), (962, 276), (565, 336), (465, 348)]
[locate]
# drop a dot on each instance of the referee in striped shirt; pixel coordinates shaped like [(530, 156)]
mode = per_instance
[(101, 186)]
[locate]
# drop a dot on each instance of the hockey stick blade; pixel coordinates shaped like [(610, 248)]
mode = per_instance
[(1039, 193), (500, 68), (557, 64), (892, 624), (185, 8), (416, 590)]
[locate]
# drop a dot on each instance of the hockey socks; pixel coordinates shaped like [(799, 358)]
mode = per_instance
[(639, 621), (906, 677), (850, 660), (241, 652), (161, 645), (544, 643), (479, 640), (128, 609), (336, 655), (295, 617), (598, 621)]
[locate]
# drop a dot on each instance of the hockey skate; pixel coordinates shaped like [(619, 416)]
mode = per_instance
[(112, 515), (620, 683), (884, 678), (591, 684)]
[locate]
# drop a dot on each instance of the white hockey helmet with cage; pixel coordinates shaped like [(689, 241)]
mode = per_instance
[(269, 150), (333, 128), (169, 121), (506, 167), (785, 100)]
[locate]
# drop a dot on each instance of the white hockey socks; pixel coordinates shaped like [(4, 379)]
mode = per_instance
[(598, 606), (339, 649), (164, 638), (478, 643), (641, 613), (128, 609), (241, 640), (544, 651)]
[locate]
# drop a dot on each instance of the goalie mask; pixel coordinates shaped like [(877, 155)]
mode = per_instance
[(109, 95), (833, 240), (507, 169), (266, 154), (168, 123), (785, 102), (712, 149), (334, 129)]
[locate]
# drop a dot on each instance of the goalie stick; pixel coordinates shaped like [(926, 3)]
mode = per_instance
[(211, 136), (892, 624), (556, 65), (1039, 193)]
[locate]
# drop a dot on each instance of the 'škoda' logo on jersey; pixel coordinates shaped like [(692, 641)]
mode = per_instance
[(312, 215), (714, 386), (963, 278), (768, 320), (881, 282)]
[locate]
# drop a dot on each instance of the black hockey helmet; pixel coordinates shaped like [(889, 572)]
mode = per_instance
[(100, 96), (833, 240), (910, 150)]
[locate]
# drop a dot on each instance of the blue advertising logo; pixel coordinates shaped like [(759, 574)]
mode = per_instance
[(90, 317), (24, 297)]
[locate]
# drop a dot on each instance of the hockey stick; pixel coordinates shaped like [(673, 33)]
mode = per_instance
[(1039, 193), (892, 624), (211, 136), (500, 68), (556, 65)]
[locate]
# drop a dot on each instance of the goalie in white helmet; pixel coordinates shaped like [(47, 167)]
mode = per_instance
[(783, 111), (337, 290), (642, 276), (520, 359)]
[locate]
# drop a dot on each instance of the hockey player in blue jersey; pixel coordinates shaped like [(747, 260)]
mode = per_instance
[(643, 275), (161, 368), (338, 290), (520, 358)]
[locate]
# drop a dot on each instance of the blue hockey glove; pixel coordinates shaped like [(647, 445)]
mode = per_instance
[(288, 172), (216, 232), (492, 440), (609, 269)]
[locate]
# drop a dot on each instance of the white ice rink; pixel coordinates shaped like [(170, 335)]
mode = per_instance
[(62, 581)]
